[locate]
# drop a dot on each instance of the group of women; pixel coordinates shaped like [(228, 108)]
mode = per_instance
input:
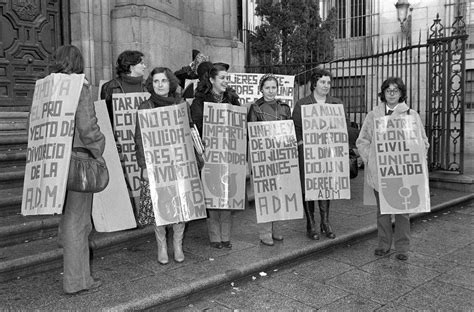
[(162, 84)]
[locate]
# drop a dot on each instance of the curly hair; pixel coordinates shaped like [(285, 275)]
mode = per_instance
[(126, 59), (205, 85), (68, 60), (174, 82), (318, 74), (400, 85)]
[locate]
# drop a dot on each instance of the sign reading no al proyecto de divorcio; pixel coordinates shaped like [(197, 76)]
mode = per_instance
[(50, 133)]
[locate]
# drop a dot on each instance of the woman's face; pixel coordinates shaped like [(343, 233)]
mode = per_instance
[(219, 84), (138, 70), (269, 90), (161, 84), (392, 95), (323, 85)]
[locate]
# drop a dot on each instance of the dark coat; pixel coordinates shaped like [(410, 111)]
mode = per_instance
[(256, 114), (197, 108)]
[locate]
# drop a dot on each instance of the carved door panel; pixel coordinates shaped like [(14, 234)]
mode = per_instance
[(30, 30)]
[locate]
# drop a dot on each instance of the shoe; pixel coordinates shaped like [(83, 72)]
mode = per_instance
[(217, 245), (324, 213), (402, 256), (278, 238), (312, 235), (267, 242), (95, 285), (381, 252), (226, 244)]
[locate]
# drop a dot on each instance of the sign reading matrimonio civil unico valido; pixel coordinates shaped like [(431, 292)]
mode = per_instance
[(326, 152), (401, 164)]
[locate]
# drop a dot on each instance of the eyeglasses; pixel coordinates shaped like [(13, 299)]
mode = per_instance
[(392, 91)]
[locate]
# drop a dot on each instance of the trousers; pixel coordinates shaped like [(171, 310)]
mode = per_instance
[(74, 228), (401, 237), (219, 225)]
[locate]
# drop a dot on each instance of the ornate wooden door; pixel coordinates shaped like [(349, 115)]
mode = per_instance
[(30, 30)]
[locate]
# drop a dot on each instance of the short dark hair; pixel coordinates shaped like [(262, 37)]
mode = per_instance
[(126, 59), (205, 85), (401, 86), (68, 60), (174, 82), (318, 73)]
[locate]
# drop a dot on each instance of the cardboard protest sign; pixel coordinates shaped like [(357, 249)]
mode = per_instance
[(111, 209), (246, 86), (50, 133), (224, 173), (275, 172), (125, 109), (326, 152), (401, 164), (175, 187)]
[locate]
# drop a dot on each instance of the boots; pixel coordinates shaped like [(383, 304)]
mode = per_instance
[(310, 224), (324, 213), (160, 234), (178, 233)]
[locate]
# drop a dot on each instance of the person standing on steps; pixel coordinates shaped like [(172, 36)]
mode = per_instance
[(162, 85)]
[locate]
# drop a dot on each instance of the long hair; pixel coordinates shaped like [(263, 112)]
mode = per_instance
[(126, 59), (68, 60), (205, 85), (396, 81), (318, 74), (174, 82)]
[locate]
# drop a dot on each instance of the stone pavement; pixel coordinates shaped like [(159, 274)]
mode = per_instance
[(133, 279), (438, 276)]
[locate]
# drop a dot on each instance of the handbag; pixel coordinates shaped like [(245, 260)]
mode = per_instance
[(353, 164), (86, 173)]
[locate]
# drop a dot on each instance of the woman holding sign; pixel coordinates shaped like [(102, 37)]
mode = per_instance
[(75, 225), (320, 87), (213, 88), (162, 85), (267, 108), (393, 95)]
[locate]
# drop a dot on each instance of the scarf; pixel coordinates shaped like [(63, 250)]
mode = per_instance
[(160, 101)]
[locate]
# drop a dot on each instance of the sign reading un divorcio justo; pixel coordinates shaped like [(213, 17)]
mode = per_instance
[(401, 164), (50, 133)]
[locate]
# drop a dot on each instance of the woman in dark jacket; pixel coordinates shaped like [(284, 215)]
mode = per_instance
[(75, 225), (213, 88), (268, 108), (320, 86), (162, 85), (130, 70)]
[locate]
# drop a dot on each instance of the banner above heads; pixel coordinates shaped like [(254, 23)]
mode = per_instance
[(246, 86)]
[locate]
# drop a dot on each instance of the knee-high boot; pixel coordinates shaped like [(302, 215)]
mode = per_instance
[(324, 213), (160, 234), (310, 224), (178, 233)]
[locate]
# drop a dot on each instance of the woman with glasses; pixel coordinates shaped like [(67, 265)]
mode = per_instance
[(393, 95), (213, 88), (320, 87), (268, 108)]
